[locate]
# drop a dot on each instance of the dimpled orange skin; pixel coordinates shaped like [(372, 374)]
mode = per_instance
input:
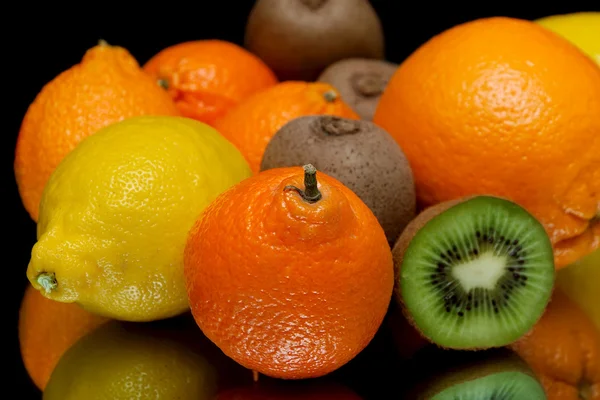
[(287, 288), (105, 87), (505, 107), (206, 78), (563, 349), (251, 124), (47, 329)]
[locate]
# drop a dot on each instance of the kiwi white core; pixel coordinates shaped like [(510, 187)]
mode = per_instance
[(483, 272)]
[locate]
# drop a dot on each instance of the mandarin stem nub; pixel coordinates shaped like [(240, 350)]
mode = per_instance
[(330, 96), (47, 280), (163, 83), (311, 193)]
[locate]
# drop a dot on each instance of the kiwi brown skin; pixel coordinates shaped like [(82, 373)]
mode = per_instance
[(359, 154), (436, 370), (299, 38), (360, 82), (409, 232)]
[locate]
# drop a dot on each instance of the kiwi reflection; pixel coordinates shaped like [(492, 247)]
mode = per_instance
[(168, 359), (497, 374)]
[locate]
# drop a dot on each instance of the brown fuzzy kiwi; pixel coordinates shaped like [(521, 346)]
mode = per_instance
[(476, 275), (359, 154), (300, 38), (360, 82)]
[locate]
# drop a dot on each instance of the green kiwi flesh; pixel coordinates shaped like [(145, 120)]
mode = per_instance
[(475, 273), (497, 374)]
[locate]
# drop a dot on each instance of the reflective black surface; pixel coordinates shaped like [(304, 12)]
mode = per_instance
[(40, 41)]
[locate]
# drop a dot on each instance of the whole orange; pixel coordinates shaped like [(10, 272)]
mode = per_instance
[(563, 349), (502, 106), (251, 124), (107, 86), (291, 279), (47, 329), (206, 78)]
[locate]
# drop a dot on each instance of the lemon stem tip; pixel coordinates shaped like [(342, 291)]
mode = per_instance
[(311, 193), (103, 43), (47, 281)]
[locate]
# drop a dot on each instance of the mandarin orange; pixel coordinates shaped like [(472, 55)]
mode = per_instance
[(291, 279), (251, 124), (105, 87), (206, 78), (563, 349)]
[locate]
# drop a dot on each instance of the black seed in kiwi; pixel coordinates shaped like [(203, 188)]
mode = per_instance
[(360, 82), (474, 273), (498, 374), (359, 154), (299, 38)]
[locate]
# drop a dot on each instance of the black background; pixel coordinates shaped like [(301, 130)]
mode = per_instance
[(40, 43)]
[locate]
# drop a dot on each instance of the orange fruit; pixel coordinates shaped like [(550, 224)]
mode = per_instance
[(206, 78), (291, 283), (251, 124), (563, 349), (47, 329), (502, 106), (105, 87)]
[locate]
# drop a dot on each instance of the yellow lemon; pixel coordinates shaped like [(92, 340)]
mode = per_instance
[(124, 360), (581, 282), (581, 28), (114, 215)]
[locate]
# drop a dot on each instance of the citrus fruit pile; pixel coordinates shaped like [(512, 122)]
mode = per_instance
[(233, 221)]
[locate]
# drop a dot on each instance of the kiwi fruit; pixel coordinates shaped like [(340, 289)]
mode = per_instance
[(360, 82), (299, 38), (474, 273), (498, 374), (359, 154)]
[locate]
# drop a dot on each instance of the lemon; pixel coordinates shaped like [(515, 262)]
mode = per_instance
[(114, 215), (124, 360), (581, 282), (581, 28)]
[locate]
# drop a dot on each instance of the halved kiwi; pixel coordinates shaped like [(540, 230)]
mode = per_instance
[(474, 273), (491, 374)]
